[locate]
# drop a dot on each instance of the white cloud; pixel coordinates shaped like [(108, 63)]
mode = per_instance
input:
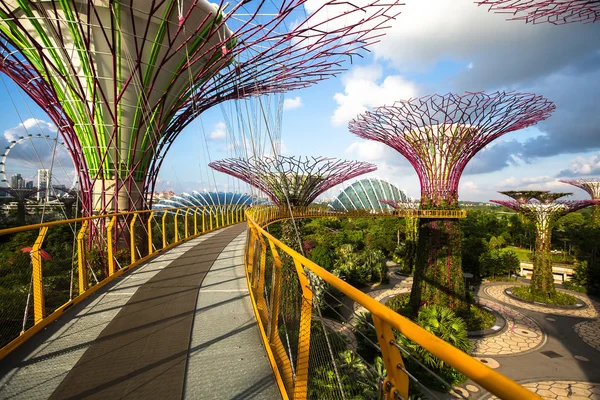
[(468, 188), (219, 132), (290, 104), (583, 166), (362, 90), (30, 126)]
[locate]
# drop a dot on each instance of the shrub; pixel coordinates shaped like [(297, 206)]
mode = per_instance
[(530, 294)]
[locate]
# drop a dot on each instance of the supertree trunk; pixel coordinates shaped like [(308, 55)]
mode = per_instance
[(438, 268), (542, 279), (411, 234)]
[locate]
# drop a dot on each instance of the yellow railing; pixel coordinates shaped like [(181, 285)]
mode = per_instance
[(283, 283), (90, 252)]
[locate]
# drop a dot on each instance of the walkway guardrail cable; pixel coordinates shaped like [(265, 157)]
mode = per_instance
[(273, 265)]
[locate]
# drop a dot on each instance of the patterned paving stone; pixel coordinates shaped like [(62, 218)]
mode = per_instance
[(563, 390), (589, 332), (592, 311), (379, 295), (522, 334)]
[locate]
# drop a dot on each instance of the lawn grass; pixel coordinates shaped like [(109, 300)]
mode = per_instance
[(522, 253)]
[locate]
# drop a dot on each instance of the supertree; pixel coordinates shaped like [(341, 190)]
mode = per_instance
[(556, 12), (544, 210), (411, 231), (121, 80), (292, 181), (592, 186), (439, 134)]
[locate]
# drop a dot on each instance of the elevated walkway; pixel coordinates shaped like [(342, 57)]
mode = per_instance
[(180, 326)]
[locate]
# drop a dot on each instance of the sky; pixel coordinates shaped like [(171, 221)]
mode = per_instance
[(434, 46)]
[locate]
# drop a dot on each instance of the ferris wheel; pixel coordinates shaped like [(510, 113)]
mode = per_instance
[(41, 155)]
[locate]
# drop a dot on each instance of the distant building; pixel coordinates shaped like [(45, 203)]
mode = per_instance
[(17, 182), (365, 195), (43, 183), (29, 185)]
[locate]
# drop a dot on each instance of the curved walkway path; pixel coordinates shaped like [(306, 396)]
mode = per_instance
[(180, 326)]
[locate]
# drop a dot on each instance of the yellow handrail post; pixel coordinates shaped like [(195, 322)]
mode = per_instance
[(210, 219), (397, 379), (196, 221), (301, 382), (275, 293), (164, 229), (150, 244), (36, 274), (83, 278), (132, 237), (203, 224), (110, 244), (223, 216), (260, 286), (176, 239), (186, 223)]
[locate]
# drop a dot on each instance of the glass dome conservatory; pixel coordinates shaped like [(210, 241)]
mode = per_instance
[(197, 199), (365, 195)]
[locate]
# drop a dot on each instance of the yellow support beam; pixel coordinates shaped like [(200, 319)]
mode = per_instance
[(150, 243), (37, 276), (132, 237), (176, 227), (186, 223), (110, 244), (81, 258), (164, 229)]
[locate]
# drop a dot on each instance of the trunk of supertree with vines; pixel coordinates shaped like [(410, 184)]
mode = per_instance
[(438, 269), (542, 279), (412, 238)]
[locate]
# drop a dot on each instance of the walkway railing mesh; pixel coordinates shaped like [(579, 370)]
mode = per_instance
[(317, 341)]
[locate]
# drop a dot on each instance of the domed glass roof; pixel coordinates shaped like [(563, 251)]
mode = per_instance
[(197, 199), (365, 195)]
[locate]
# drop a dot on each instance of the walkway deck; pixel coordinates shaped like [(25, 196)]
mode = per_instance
[(181, 326)]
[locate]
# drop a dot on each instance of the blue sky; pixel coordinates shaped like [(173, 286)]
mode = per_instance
[(434, 46)]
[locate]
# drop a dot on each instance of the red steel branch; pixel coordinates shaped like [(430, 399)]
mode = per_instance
[(296, 180), (439, 134), (556, 12)]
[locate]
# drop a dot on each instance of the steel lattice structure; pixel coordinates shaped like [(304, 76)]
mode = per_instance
[(121, 80), (592, 187), (544, 210), (556, 12), (523, 196), (294, 180), (439, 134)]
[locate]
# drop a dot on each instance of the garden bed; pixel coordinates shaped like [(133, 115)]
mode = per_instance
[(559, 300)]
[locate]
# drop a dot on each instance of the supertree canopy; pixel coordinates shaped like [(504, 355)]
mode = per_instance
[(121, 80), (556, 12), (439, 134), (544, 211), (295, 181), (592, 186), (523, 196)]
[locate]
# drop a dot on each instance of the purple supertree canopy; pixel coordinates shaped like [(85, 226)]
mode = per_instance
[(556, 12), (121, 80), (590, 185), (295, 180), (439, 134)]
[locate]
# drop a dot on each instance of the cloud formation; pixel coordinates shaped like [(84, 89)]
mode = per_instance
[(290, 104), (219, 132), (581, 166), (364, 88)]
